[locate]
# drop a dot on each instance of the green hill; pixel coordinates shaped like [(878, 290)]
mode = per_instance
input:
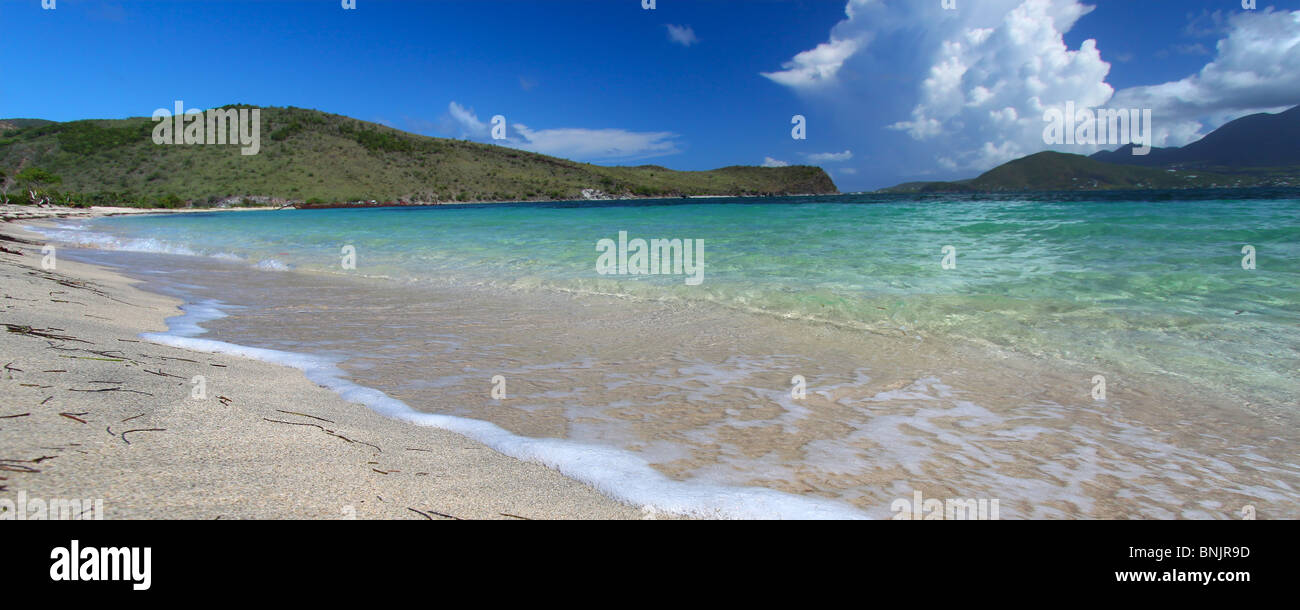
[(11, 124), (1053, 171), (1255, 142), (1257, 150), (1061, 171), (318, 158)]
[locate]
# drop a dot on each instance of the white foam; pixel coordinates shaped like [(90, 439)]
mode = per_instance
[(79, 235), (271, 264), (620, 474)]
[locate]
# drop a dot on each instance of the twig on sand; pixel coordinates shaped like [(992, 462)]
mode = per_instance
[(11, 465), (39, 332), (422, 514), (123, 435), (326, 431), (110, 390), (91, 358), (73, 417), (16, 467), (305, 415), (13, 416), (174, 358), (292, 423), (515, 516)]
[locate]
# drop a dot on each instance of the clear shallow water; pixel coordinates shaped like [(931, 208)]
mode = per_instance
[(1152, 287), (970, 382)]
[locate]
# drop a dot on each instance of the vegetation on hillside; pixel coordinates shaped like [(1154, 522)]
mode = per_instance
[(315, 158), (1256, 150), (1053, 171)]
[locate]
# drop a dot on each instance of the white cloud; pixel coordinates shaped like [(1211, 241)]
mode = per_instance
[(682, 34), (770, 162), (1256, 68), (989, 75), (829, 157), (467, 122), (593, 144), (817, 66), (988, 86), (576, 143)]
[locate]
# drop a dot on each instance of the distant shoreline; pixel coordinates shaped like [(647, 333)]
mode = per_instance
[(12, 212)]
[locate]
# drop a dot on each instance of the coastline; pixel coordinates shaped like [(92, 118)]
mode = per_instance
[(99, 413), (706, 382)]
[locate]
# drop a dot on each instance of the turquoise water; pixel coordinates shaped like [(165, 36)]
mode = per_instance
[(1149, 287)]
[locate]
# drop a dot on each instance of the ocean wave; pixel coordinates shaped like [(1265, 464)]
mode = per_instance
[(617, 473), (82, 237)]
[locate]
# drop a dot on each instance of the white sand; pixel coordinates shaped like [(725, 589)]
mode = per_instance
[(264, 443)]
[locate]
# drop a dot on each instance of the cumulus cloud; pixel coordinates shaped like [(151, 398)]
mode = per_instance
[(829, 157), (575, 143), (1256, 68), (682, 34), (988, 87), (991, 74), (770, 162)]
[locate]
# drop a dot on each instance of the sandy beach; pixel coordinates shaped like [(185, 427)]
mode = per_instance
[(92, 411), (636, 393)]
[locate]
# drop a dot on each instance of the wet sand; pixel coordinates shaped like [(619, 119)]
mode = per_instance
[(702, 393), (91, 411)]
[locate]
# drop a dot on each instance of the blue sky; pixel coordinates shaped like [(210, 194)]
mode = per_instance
[(610, 82)]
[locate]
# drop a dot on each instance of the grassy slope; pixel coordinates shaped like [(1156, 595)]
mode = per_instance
[(310, 155)]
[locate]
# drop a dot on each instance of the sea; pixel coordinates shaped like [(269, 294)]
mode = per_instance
[(1127, 355)]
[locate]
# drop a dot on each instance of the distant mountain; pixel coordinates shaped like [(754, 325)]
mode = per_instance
[(1053, 171), (324, 159), (1255, 141), (1257, 150)]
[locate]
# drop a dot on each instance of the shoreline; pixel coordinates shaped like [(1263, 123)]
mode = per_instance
[(98, 412), (1048, 417)]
